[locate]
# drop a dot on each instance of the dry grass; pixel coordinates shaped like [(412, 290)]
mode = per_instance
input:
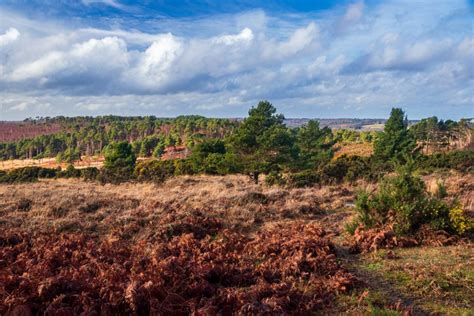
[(353, 149), (84, 206), (458, 186), (69, 204), (435, 279), (86, 161)]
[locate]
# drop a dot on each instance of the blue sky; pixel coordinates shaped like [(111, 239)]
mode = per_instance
[(217, 58)]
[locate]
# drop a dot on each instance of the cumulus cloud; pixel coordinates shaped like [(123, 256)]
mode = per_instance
[(355, 60)]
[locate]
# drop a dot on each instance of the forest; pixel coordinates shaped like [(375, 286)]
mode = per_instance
[(261, 144)]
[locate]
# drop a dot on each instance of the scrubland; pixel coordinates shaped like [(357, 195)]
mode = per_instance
[(216, 245)]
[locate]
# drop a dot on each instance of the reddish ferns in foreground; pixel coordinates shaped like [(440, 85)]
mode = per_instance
[(288, 269)]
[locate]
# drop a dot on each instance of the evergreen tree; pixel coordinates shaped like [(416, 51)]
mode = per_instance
[(395, 143), (262, 142), (119, 162), (313, 144)]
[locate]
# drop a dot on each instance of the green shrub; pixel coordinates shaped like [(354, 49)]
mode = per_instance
[(303, 179), (459, 221), (402, 201), (345, 168), (70, 172), (26, 174), (154, 170), (441, 191), (460, 160), (334, 172), (47, 173), (119, 163), (182, 167), (89, 173), (274, 178)]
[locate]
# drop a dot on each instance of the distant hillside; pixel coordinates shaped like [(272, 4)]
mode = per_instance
[(13, 131), (340, 123)]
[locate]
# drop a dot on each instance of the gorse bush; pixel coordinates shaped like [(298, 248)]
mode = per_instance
[(459, 221), (303, 179), (27, 174), (275, 178), (89, 173), (70, 172), (403, 203), (460, 160), (154, 170), (343, 169), (32, 174)]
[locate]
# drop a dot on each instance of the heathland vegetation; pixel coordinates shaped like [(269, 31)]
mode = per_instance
[(260, 144), (260, 218)]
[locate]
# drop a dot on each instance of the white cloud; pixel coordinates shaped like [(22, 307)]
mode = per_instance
[(20, 106), (362, 56), (300, 39), (111, 3), (245, 36), (354, 12), (39, 68), (10, 36)]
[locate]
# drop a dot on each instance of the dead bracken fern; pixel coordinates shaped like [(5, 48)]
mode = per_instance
[(285, 269)]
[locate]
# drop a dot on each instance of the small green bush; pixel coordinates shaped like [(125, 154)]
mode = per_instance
[(182, 167), (89, 173), (345, 168), (303, 179), (402, 201), (26, 174), (70, 172), (459, 221), (154, 170), (441, 191), (274, 178)]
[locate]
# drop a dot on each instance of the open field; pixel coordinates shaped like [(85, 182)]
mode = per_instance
[(353, 149), (86, 161), (71, 246)]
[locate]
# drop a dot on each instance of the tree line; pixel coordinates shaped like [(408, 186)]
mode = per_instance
[(259, 145), (89, 136), (263, 145)]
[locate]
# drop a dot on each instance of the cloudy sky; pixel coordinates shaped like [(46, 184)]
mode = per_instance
[(217, 58)]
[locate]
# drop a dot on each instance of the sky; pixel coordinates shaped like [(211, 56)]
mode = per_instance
[(311, 59)]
